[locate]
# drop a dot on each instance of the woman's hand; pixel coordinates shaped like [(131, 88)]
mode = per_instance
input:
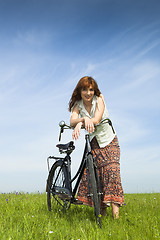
[(77, 130), (89, 126)]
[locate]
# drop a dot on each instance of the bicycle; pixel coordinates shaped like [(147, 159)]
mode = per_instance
[(59, 181)]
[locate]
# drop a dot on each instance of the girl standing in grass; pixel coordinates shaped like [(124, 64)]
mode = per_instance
[(88, 108)]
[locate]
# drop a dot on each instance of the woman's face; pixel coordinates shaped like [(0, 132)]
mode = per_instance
[(87, 94)]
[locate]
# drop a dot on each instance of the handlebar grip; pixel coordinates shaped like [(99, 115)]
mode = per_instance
[(61, 131)]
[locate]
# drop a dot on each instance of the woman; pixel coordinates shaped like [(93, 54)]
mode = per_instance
[(88, 108)]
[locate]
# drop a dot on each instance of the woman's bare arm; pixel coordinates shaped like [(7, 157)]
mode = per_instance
[(75, 117), (99, 110)]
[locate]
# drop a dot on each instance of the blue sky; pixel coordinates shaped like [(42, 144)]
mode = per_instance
[(45, 48)]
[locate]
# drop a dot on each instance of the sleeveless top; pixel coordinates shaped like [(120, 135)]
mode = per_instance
[(103, 133)]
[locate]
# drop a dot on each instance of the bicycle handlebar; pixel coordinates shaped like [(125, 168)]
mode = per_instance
[(63, 126)]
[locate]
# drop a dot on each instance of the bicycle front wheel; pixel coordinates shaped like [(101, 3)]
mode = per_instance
[(58, 186), (95, 194)]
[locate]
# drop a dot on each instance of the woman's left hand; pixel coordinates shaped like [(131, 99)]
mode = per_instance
[(89, 126)]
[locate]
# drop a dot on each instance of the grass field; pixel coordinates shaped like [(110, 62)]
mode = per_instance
[(25, 216)]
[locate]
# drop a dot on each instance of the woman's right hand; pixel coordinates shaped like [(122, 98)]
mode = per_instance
[(77, 130)]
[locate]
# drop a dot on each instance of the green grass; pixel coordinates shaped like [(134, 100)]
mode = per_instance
[(25, 216)]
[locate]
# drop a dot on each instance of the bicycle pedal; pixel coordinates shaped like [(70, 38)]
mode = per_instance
[(76, 202), (64, 196), (63, 193)]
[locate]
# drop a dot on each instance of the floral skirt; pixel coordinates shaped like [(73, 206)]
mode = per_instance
[(108, 166)]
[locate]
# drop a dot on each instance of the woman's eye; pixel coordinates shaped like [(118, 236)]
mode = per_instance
[(86, 89), (91, 90)]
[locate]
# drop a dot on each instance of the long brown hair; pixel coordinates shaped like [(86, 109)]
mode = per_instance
[(83, 83)]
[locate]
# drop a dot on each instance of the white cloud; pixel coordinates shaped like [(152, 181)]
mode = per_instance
[(140, 74), (147, 49), (31, 38)]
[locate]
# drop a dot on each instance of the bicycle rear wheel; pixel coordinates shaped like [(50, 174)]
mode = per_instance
[(58, 186), (95, 194)]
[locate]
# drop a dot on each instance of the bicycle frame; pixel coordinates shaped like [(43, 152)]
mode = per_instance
[(67, 161), (82, 166)]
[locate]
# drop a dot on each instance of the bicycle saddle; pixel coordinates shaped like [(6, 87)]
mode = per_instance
[(66, 146)]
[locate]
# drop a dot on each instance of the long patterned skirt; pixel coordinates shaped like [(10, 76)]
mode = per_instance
[(108, 166)]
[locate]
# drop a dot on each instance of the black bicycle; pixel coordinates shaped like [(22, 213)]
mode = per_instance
[(59, 182)]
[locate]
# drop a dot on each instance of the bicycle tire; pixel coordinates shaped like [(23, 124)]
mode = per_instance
[(58, 191), (95, 194)]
